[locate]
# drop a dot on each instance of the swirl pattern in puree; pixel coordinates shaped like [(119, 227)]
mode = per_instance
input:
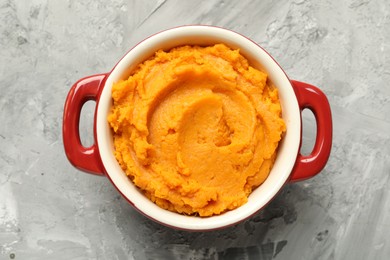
[(196, 128)]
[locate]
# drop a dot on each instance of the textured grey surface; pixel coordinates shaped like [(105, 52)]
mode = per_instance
[(49, 210)]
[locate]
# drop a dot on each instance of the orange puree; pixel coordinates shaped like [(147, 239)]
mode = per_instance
[(196, 128)]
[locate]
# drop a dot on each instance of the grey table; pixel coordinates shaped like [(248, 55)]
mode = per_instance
[(49, 210)]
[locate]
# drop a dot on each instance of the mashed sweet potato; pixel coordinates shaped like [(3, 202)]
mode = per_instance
[(196, 128)]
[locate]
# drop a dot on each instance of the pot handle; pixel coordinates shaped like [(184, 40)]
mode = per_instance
[(312, 98), (83, 158)]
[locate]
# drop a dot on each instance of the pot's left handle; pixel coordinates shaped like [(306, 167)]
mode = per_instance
[(84, 158)]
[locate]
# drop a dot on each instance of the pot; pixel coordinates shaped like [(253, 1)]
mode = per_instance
[(290, 165)]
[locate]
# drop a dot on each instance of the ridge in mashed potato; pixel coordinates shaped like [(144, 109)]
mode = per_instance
[(196, 128)]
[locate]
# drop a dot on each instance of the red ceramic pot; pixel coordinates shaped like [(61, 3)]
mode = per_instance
[(289, 166)]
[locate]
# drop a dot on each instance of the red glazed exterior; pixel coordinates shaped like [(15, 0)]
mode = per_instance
[(88, 159)]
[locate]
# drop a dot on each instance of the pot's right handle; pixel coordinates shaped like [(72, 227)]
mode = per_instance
[(312, 98)]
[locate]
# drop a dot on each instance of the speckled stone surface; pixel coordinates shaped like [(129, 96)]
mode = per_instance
[(50, 210)]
